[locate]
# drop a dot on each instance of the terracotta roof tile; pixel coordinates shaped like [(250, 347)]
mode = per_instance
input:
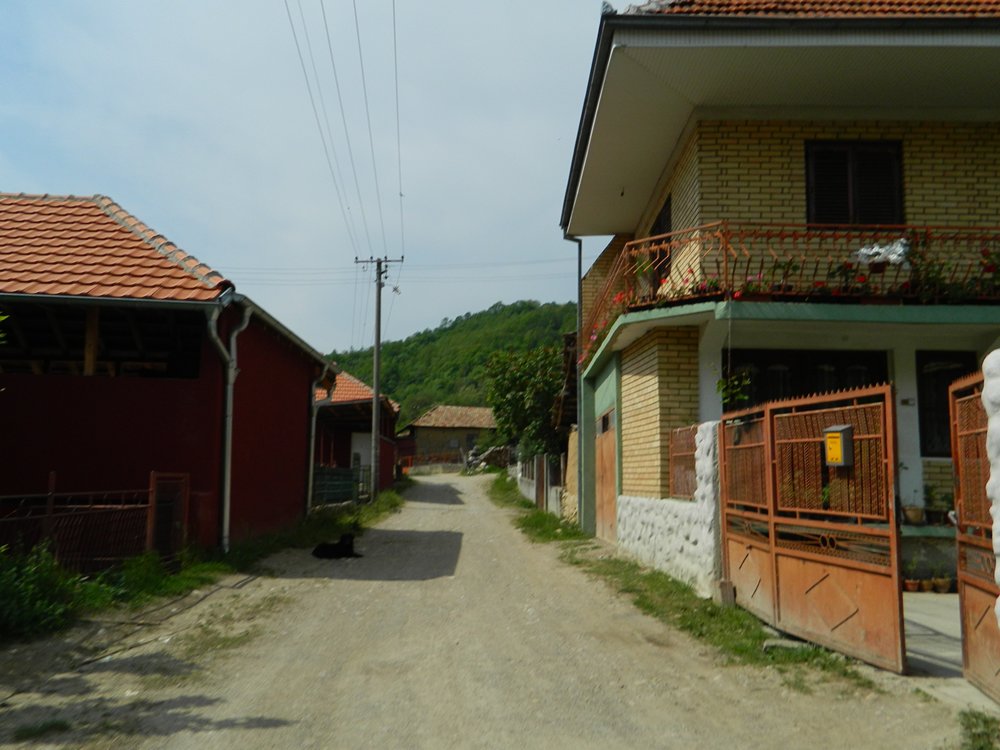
[(821, 8), (349, 389), (477, 417), (92, 247)]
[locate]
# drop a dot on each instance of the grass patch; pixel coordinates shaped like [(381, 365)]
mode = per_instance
[(738, 635), (540, 526), (980, 731), (503, 491), (41, 729)]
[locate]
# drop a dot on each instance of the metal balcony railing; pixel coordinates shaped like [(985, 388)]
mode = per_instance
[(798, 263)]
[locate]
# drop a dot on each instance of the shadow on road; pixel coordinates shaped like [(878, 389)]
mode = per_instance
[(386, 555), (97, 718), (437, 494)]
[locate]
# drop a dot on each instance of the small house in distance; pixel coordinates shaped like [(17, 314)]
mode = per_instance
[(344, 439), (444, 434)]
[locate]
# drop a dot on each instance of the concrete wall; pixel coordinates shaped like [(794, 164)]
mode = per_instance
[(991, 401), (679, 537)]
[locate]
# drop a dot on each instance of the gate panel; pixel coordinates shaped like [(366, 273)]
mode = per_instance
[(832, 541), (977, 588), (606, 448)]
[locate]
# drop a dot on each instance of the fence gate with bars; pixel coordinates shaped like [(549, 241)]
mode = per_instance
[(977, 588), (810, 548), (93, 530)]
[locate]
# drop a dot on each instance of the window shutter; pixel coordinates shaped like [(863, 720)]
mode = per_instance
[(829, 184), (877, 185)]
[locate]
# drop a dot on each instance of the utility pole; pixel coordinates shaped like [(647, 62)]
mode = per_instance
[(380, 274)]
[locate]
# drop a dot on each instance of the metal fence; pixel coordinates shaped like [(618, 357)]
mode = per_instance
[(85, 531)]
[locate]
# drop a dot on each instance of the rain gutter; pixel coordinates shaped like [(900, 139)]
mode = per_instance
[(229, 359)]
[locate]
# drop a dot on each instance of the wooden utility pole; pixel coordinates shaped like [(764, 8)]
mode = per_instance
[(380, 273)]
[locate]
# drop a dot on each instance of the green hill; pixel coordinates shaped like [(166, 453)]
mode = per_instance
[(447, 365)]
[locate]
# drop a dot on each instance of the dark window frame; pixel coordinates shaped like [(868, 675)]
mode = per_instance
[(858, 156)]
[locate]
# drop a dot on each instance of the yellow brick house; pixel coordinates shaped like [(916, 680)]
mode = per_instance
[(801, 196)]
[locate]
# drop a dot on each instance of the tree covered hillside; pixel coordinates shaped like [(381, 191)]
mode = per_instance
[(447, 365)]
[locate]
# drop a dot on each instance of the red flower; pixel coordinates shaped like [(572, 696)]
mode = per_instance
[(819, 284), (989, 268), (848, 265), (737, 294), (985, 252), (861, 279)]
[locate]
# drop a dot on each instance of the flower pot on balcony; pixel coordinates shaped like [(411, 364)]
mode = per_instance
[(911, 584), (913, 515)]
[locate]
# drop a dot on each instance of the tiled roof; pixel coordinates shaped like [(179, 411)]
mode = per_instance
[(349, 390), (820, 8), (477, 417), (92, 247)]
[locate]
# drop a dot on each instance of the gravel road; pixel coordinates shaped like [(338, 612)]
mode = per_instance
[(452, 630)]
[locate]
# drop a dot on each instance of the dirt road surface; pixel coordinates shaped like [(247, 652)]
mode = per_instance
[(452, 631)]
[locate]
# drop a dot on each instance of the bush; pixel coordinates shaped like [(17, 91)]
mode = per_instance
[(38, 596)]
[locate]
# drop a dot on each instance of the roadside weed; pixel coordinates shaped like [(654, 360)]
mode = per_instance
[(503, 491), (980, 731)]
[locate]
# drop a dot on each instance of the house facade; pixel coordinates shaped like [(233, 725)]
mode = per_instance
[(124, 355), (802, 197), (445, 434), (344, 428)]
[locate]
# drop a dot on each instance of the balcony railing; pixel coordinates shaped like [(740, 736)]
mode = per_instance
[(789, 263)]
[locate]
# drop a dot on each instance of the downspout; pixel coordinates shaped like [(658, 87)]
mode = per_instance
[(314, 411), (228, 356), (579, 380)]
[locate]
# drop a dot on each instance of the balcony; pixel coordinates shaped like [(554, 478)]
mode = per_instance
[(798, 263)]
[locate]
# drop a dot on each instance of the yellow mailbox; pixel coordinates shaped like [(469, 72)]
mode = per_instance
[(838, 442)]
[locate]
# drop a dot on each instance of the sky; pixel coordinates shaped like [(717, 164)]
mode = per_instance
[(196, 117)]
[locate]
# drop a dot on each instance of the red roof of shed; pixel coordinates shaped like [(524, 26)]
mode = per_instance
[(92, 247), (349, 390), (820, 8)]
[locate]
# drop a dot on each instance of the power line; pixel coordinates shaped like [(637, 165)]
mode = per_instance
[(322, 137), (326, 116), (343, 120), (399, 149), (368, 117)]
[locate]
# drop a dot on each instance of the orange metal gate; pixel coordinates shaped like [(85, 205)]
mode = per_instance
[(977, 589), (605, 450), (810, 548)]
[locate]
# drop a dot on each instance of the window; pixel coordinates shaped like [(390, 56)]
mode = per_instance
[(935, 372), (777, 374), (854, 182)]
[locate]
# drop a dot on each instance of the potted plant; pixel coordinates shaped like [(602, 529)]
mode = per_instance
[(941, 582), (913, 515)]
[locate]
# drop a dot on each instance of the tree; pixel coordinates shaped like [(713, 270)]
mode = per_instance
[(522, 388)]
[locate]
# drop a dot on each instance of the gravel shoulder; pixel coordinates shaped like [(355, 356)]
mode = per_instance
[(452, 630)]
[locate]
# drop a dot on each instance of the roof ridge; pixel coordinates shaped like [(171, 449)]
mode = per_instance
[(169, 250)]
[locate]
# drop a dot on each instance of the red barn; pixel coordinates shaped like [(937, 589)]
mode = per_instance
[(123, 355)]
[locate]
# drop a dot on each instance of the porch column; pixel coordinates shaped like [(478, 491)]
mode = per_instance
[(910, 469)]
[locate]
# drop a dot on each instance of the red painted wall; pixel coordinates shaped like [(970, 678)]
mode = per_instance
[(105, 433), (270, 432)]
